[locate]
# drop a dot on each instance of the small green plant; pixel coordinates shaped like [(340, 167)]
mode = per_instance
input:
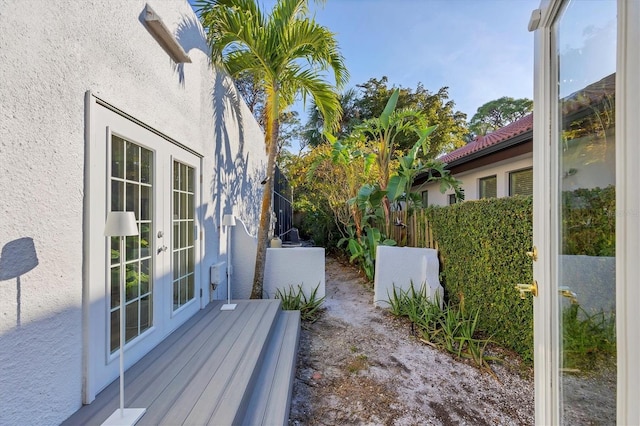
[(295, 300), (451, 328), (359, 362), (587, 339)]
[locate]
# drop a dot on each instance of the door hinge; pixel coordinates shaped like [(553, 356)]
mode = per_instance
[(201, 293)]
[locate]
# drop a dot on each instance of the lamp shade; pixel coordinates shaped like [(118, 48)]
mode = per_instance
[(120, 224), (228, 220)]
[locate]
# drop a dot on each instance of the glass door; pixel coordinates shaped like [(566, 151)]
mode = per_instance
[(575, 214), (585, 204)]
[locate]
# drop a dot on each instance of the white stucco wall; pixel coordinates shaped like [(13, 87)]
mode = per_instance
[(51, 53), (470, 180)]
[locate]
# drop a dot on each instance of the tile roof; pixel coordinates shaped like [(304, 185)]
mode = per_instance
[(480, 143)]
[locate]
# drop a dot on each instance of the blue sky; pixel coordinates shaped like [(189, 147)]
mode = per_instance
[(480, 49)]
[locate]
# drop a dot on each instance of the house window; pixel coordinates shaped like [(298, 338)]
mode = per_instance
[(452, 199), (425, 198), (488, 187), (521, 182), (183, 248), (131, 183)]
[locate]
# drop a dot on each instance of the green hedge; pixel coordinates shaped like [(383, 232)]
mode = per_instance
[(483, 247), (589, 221)]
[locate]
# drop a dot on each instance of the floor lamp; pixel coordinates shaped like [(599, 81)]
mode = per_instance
[(122, 224), (228, 220)]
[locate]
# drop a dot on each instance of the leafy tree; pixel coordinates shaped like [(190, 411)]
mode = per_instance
[(314, 133), (498, 113), (434, 107), (369, 101), (394, 175), (287, 52)]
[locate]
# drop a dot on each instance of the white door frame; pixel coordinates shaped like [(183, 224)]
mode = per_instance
[(628, 211), (546, 356)]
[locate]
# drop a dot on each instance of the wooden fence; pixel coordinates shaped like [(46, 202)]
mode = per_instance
[(412, 231)]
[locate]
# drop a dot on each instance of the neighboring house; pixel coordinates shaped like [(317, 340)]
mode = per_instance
[(499, 164), (99, 112)]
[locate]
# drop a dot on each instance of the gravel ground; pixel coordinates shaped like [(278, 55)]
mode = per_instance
[(359, 365)]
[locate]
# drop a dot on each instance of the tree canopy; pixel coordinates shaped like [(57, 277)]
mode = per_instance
[(498, 113), (369, 100)]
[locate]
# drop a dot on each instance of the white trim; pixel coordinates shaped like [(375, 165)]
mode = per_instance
[(628, 212), (88, 392), (542, 308)]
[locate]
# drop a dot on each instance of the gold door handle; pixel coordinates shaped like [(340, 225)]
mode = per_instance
[(533, 254), (566, 292), (527, 288)]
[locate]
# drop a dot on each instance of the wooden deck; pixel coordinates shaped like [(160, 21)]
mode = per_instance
[(219, 368)]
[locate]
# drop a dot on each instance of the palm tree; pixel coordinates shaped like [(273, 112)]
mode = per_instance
[(288, 53), (314, 133)]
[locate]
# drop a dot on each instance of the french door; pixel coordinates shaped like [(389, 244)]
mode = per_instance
[(133, 168), (585, 212)]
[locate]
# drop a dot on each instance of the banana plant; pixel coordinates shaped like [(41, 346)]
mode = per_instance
[(410, 166)]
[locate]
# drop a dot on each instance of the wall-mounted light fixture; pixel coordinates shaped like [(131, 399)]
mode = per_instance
[(164, 37)]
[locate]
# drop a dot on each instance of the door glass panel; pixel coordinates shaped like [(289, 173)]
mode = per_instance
[(131, 192), (183, 229), (585, 264)]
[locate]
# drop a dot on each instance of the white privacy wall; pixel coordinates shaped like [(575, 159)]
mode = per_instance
[(51, 54), (400, 268)]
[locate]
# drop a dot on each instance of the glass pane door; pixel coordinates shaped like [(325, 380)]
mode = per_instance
[(183, 248), (131, 190), (584, 144)]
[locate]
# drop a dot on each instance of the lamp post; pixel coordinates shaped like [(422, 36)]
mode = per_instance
[(228, 220), (122, 224)]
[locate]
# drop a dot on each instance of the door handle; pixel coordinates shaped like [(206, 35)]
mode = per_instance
[(566, 292), (162, 249), (527, 288), (533, 254)]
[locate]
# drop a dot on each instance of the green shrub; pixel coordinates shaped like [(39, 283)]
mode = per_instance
[(483, 247), (295, 300), (588, 221)]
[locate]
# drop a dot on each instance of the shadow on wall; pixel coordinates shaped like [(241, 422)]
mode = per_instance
[(232, 179), (190, 35), (16, 259)]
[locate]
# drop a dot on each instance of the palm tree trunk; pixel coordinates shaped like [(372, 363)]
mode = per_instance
[(265, 215)]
